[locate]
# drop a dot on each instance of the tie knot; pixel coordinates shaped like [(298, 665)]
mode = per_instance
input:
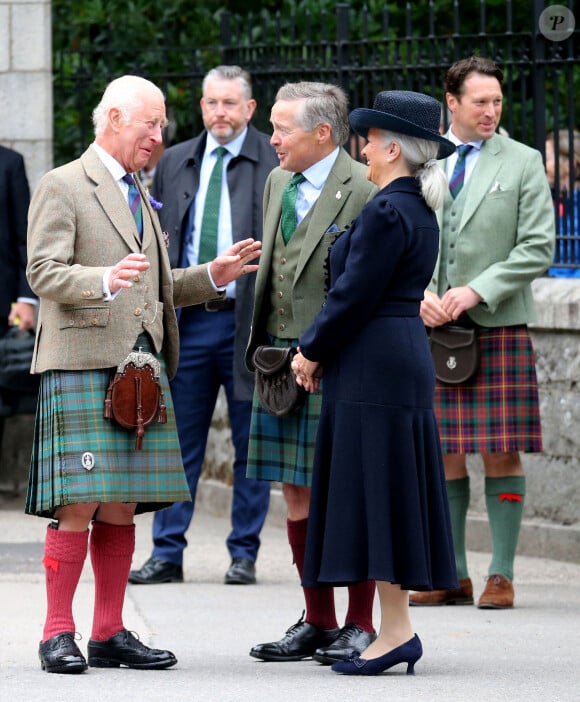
[(128, 178), (464, 149), (220, 151), (296, 179)]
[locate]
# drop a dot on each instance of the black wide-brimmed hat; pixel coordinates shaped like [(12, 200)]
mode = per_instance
[(405, 112)]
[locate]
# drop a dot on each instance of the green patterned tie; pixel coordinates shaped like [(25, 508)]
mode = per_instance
[(211, 210), (289, 196)]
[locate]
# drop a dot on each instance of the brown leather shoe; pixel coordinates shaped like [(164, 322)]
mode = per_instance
[(498, 593), (463, 595)]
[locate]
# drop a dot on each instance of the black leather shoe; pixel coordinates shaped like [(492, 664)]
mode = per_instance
[(155, 571), (125, 649), (351, 638), (242, 571), (60, 654), (299, 642)]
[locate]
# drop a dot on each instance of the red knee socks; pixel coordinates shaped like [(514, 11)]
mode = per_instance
[(64, 556), (319, 600), (111, 554), (360, 605)]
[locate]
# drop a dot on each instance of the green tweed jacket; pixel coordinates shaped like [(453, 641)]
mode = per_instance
[(79, 224), (343, 196), (506, 235)]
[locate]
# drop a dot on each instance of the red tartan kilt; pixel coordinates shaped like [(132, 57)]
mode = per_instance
[(497, 410)]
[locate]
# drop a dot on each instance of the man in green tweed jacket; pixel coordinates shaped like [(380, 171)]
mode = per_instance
[(98, 261)]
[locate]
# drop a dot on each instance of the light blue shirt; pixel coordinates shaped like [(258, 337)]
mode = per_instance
[(309, 190)]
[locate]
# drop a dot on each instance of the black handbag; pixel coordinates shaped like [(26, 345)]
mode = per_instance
[(455, 352), (276, 384), (16, 349)]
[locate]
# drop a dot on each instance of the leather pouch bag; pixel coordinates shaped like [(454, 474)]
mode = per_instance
[(276, 384), (455, 353), (134, 397)]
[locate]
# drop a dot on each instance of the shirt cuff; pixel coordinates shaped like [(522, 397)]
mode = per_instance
[(211, 280), (107, 294)]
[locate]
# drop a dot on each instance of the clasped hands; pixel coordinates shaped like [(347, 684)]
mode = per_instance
[(436, 310), (228, 266), (308, 373)]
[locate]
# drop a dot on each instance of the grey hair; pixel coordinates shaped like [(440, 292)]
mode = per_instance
[(321, 103), (230, 73), (420, 156), (124, 93)]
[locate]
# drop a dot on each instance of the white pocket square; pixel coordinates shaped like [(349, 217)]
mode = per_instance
[(496, 188)]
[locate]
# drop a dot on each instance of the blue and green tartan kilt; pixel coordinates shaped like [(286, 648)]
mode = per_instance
[(282, 448), (71, 433), (498, 409)]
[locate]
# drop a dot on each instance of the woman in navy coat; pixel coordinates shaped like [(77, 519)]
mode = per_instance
[(379, 507)]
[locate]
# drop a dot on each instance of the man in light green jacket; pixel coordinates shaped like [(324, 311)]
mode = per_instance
[(497, 235)]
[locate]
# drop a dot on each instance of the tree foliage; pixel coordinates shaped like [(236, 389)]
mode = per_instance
[(173, 43)]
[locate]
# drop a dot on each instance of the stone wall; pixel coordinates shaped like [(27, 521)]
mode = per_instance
[(26, 82)]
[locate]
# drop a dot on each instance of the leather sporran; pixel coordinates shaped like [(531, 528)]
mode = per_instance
[(455, 353), (276, 384), (134, 397)]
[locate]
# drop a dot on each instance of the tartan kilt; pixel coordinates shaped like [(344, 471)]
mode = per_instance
[(70, 423), (282, 448), (498, 409)]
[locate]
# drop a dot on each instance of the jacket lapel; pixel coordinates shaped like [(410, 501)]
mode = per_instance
[(482, 178), (332, 199), (111, 198)]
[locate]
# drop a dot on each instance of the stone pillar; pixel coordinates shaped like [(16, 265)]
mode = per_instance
[(26, 82)]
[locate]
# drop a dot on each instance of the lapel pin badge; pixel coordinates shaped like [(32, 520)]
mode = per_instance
[(338, 194)]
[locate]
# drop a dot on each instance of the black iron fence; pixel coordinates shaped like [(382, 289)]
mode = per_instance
[(363, 52)]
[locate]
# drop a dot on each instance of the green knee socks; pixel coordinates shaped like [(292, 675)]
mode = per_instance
[(504, 498), (458, 496)]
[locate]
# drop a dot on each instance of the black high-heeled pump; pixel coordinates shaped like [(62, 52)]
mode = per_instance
[(408, 653)]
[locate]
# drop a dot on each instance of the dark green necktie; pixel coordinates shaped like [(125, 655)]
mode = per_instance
[(289, 196), (211, 210)]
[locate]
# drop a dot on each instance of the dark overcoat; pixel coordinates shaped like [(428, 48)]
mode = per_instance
[(379, 508)]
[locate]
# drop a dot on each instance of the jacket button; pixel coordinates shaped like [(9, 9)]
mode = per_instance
[(137, 312), (136, 279), (282, 327), (82, 323), (281, 311), (94, 322), (283, 260), (280, 294), (280, 277)]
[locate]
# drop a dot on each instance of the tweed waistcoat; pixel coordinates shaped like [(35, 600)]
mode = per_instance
[(280, 321), (452, 214)]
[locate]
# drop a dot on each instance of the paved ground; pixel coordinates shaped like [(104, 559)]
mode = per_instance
[(528, 654)]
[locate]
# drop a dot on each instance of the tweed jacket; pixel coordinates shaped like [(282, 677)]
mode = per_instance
[(176, 184), (79, 225), (343, 196), (506, 235), (14, 199)]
